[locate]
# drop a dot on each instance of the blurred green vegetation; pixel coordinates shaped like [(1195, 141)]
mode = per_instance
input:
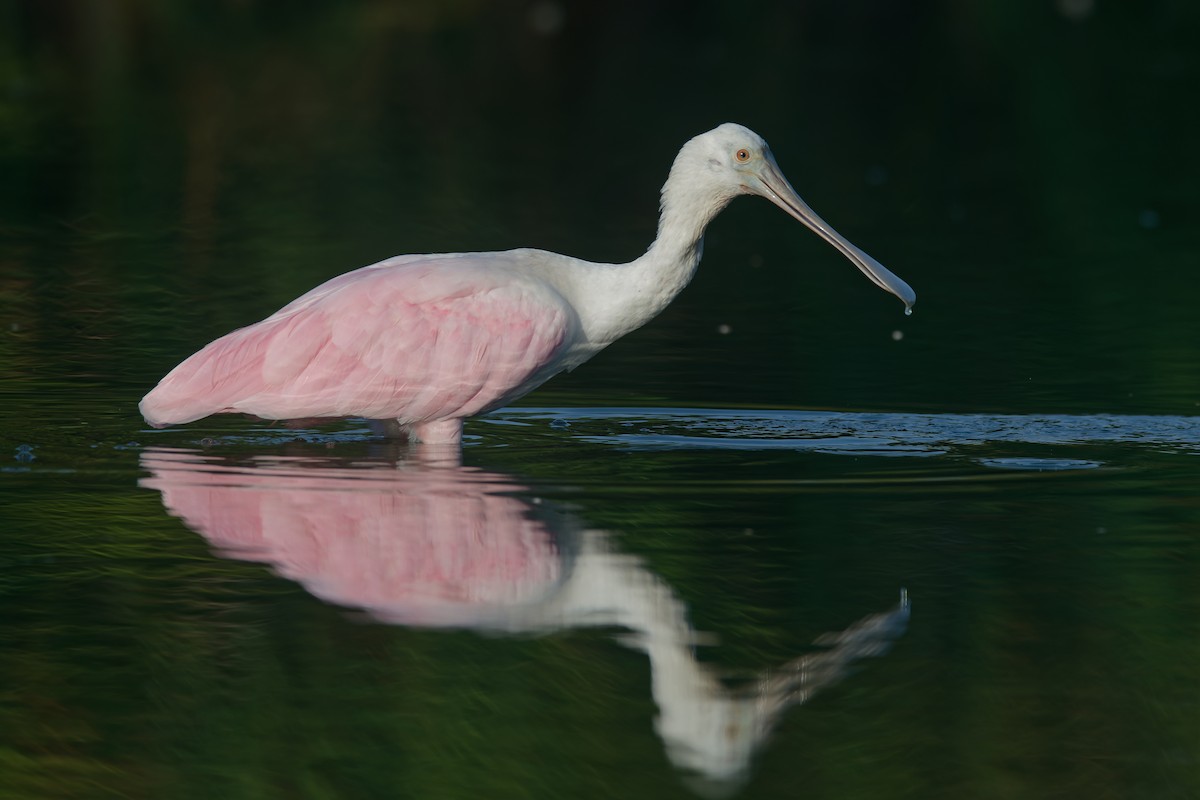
[(174, 170)]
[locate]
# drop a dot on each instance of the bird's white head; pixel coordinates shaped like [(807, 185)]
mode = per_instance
[(730, 160), (717, 166)]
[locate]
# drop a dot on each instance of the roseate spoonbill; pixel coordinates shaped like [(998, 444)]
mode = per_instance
[(429, 340)]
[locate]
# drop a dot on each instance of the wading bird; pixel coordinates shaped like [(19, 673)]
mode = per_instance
[(429, 340)]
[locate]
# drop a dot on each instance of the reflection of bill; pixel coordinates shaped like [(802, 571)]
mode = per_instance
[(450, 546)]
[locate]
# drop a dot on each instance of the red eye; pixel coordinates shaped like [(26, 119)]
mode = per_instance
[(742, 155)]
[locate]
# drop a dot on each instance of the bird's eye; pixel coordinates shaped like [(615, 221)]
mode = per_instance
[(742, 155)]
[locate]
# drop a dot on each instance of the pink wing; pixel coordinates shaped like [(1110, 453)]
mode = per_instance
[(407, 339)]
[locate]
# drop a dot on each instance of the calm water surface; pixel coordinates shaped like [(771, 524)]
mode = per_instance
[(782, 541), (597, 601)]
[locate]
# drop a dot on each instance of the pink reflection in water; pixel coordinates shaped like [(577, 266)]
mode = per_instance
[(434, 544), (430, 546)]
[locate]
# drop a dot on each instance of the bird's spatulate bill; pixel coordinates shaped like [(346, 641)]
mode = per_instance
[(781, 193)]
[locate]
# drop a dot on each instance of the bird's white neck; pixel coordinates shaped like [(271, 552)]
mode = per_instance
[(636, 292)]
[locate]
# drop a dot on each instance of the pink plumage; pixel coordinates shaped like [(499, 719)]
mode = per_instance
[(415, 340)]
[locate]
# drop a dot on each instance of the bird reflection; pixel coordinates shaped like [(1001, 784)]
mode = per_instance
[(428, 542)]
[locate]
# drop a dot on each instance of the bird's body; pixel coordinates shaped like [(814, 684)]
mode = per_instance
[(429, 340)]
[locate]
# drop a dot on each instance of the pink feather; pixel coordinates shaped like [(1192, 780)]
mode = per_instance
[(411, 340)]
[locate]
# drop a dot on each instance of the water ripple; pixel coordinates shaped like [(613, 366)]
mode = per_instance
[(880, 434)]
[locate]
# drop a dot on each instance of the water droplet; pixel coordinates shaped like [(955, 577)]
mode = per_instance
[(724, 329), (908, 311), (897, 335), (1149, 219), (559, 424)]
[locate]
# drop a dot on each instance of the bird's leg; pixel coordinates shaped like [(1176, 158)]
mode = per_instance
[(438, 431)]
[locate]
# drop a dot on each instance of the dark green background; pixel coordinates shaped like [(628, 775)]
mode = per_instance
[(172, 170)]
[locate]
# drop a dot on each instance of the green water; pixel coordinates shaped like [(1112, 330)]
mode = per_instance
[(783, 540)]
